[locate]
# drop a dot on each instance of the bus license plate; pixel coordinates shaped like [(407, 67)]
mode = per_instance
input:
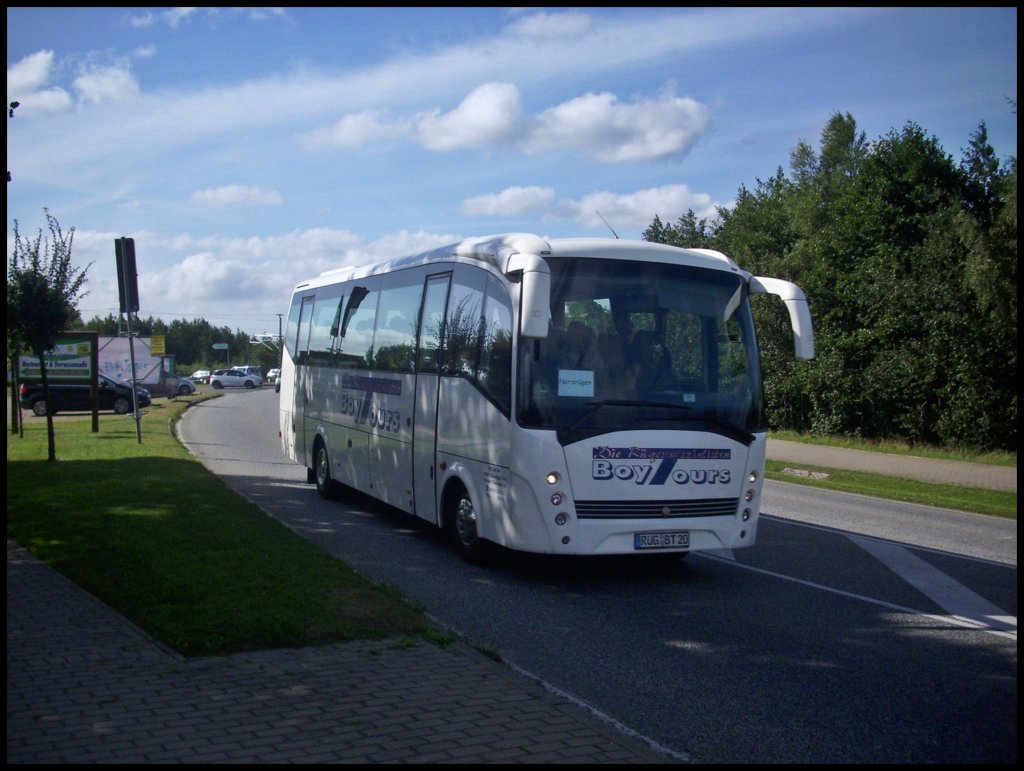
[(679, 539)]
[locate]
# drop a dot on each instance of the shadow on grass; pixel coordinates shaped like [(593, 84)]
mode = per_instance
[(174, 549)]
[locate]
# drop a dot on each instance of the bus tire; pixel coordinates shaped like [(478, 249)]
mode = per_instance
[(326, 486), (462, 519)]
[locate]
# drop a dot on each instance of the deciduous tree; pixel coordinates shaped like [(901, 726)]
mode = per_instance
[(43, 289)]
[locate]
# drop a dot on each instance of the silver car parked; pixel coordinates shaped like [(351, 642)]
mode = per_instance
[(234, 378)]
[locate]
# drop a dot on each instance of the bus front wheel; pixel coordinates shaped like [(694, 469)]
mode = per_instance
[(464, 528), (326, 486)]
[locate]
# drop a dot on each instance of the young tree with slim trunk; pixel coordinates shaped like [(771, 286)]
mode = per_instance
[(43, 289)]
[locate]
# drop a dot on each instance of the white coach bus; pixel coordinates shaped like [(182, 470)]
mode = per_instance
[(569, 396)]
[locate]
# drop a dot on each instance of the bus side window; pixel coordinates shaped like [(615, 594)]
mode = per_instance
[(297, 336), (494, 373), (465, 320), (432, 325), (394, 342), (355, 349), (324, 314)]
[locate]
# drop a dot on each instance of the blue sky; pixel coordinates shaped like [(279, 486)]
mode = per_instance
[(246, 150)]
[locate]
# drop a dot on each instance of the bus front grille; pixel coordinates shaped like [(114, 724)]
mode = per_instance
[(703, 507)]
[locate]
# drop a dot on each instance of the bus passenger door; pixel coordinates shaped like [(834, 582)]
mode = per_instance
[(301, 392), (428, 366)]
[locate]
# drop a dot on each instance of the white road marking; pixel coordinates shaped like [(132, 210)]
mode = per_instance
[(960, 621), (951, 595)]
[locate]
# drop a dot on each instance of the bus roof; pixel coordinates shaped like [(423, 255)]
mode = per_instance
[(496, 250), (648, 251)]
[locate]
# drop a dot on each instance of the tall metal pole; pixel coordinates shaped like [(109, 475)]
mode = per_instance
[(127, 282), (135, 395)]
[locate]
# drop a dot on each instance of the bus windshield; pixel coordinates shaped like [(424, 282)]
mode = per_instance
[(636, 345)]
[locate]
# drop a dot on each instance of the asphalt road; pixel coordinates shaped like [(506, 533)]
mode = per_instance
[(844, 636)]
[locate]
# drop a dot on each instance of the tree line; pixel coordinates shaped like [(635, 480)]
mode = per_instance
[(909, 262)]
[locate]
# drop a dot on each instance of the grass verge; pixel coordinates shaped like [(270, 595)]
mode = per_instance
[(993, 458), (151, 532), (972, 499)]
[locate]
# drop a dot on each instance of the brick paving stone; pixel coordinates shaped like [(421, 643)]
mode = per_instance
[(86, 686)]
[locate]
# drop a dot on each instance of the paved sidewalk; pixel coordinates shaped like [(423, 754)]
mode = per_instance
[(86, 686), (904, 466)]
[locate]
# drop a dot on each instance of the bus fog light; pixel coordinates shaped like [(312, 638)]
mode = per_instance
[(748, 496), (746, 515), (556, 499), (561, 518), (552, 478)]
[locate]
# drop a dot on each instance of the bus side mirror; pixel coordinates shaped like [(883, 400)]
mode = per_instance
[(535, 293), (799, 311)]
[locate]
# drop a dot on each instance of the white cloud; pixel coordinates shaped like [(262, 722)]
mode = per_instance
[(29, 74), (598, 124), (235, 195), (26, 84), (106, 84), (214, 277), (510, 202), (176, 17), (38, 102), (488, 117), (172, 17), (551, 25), (260, 14), (27, 80), (636, 209), (243, 279), (357, 130)]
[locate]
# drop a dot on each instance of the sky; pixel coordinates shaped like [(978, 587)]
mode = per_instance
[(246, 150)]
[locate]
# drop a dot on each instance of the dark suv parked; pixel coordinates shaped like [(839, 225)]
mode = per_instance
[(75, 398)]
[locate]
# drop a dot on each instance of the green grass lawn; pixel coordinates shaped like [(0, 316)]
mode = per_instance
[(148, 530)]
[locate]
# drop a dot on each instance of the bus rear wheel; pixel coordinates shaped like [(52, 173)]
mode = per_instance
[(326, 486), (463, 522)]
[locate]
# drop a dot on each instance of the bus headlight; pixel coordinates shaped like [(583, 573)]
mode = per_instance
[(552, 478), (561, 518), (556, 499), (746, 515), (748, 496), (753, 477)]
